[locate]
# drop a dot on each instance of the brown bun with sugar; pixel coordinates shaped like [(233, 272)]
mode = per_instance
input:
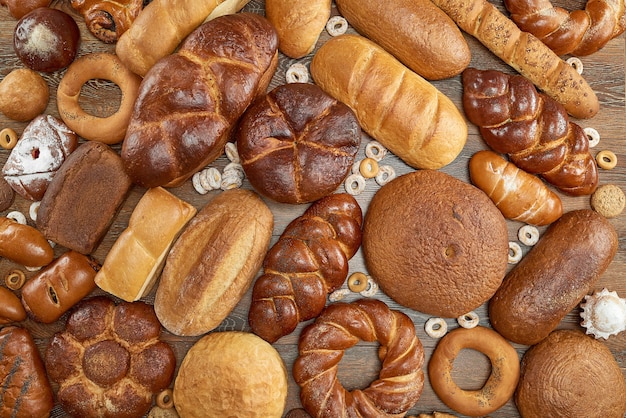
[(435, 244), (570, 374)]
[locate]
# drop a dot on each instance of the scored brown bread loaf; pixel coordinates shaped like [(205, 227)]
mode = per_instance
[(309, 260), (416, 32), (553, 277), (161, 26), (524, 53), (394, 105), (579, 32), (181, 123), (533, 129)]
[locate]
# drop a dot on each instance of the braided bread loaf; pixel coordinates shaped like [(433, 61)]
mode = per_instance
[(341, 326), (533, 129), (309, 260), (579, 32)]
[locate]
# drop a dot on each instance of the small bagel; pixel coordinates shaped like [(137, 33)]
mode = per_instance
[(606, 159), (357, 282), (8, 138), (106, 66), (505, 371)]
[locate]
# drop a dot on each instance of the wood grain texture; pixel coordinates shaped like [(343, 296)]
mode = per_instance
[(604, 71)]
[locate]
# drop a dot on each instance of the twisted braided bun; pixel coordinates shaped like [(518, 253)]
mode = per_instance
[(309, 260), (579, 32), (533, 129), (341, 326)]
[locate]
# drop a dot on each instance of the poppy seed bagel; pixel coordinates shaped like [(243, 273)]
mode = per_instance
[(435, 244)]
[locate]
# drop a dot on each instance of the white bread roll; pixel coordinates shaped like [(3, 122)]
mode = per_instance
[(136, 258), (394, 105), (213, 262)]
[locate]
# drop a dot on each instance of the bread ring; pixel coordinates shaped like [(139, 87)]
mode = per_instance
[(106, 66), (607, 160), (165, 399), (505, 370), (341, 326), (15, 279), (368, 168), (8, 138), (358, 282)]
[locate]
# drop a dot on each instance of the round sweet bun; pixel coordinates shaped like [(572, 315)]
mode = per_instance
[(435, 244), (228, 374), (570, 374)]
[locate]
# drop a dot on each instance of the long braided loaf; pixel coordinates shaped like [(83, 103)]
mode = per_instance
[(341, 326), (533, 129), (309, 260)]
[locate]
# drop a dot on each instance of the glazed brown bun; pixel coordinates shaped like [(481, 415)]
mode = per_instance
[(297, 144), (228, 374), (213, 262), (435, 244), (416, 32), (553, 276), (570, 374), (46, 39)]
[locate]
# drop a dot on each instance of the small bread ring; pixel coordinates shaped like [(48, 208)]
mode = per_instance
[(528, 235), (336, 25), (106, 66), (33, 209), (15, 279), (505, 371), (17, 216), (606, 159), (576, 63), (297, 73), (368, 168), (357, 282), (515, 252), (469, 320), (593, 135), (354, 184), (386, 173), (165, 399), (8, 138), (338, 295), (375, 150), (436, 327), (371, 290)]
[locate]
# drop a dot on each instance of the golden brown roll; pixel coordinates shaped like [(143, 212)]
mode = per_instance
[(11, 309), (435, 244), (213, 262), (24, 244), (231, 373), (570, 374), (394, 105)]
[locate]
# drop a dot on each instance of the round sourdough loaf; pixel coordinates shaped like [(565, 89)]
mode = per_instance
[(231, 374), (435, 244)]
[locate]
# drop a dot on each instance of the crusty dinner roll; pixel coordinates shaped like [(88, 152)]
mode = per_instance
[(400, 109), (435, 244), (136, 259), (297, 144), (231, 374), (570, 374), (213, 262), (416, 32), (299, 23)]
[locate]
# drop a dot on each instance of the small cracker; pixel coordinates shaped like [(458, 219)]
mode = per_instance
[(608, 200)]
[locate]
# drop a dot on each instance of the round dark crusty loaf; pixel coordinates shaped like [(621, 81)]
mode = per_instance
[(109, 360), (297, 144), (435, 244), (189, 101)]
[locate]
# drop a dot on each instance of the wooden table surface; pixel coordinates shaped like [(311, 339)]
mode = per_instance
[(604, 71)]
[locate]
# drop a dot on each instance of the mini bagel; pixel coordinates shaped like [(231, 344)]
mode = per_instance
[(500, 386), (106, 66)]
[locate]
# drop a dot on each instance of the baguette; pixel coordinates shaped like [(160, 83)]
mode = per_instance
[(136, 259), (299, 24), (162, 25), (553, 277), (394, 105), (520, 196), (213, 262), (525, 53), (416, 32), (24, 244)]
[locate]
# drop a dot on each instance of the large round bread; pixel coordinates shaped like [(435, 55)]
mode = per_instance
[(435, 244), (569, 374), (231, 374)]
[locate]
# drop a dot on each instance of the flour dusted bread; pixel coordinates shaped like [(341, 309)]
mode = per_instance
[(228, 374), (181, 123), (213, 262), (435, 244), (394, 105), (136, 259)]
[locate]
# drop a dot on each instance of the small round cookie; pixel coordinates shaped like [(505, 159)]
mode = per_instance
[(608, 200)]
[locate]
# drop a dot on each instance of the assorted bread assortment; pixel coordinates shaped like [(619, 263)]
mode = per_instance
[(206, 239)]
